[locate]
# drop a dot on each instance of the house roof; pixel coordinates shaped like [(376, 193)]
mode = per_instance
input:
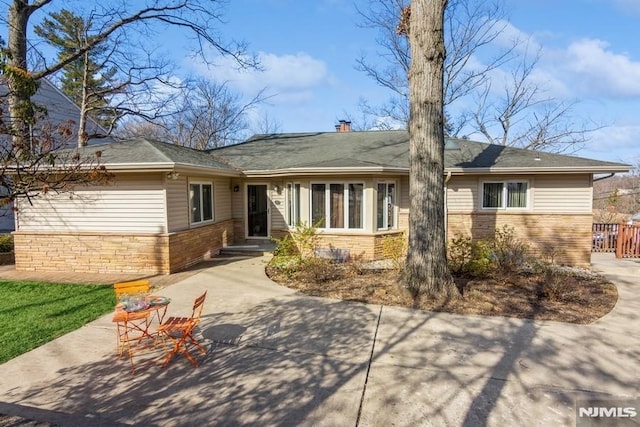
[(388, 151), (145, 154), (61, 109)]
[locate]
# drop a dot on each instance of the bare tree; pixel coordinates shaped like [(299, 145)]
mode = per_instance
[(197, 17), (113, 80), (204, 115), (426, 268), (44, 167), (267, 125), (136, 128), (471, 25), (519, 115), (523, 116)]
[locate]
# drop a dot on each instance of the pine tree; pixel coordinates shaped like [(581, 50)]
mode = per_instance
[(87, 80)]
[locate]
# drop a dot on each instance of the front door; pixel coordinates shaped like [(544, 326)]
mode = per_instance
[(257, 211)]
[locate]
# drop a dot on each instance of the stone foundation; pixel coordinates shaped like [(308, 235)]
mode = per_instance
[(144, 254), (567, 237)]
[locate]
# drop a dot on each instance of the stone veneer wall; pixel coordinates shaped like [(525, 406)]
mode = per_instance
[(145, 254), (187, 248), (569, 235), (86, 252), (368, 247)]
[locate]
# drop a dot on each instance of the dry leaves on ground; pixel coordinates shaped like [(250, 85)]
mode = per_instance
[(564, 297)]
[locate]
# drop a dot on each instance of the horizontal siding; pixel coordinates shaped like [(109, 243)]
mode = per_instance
[(462, 193), (562, 194), (548, 193), (132, 203), (278, 205), (222, 194), (177, 204)]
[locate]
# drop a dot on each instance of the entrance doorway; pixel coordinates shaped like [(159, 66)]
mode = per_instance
[(257, 211)]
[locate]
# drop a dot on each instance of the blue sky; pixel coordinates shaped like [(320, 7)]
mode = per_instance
[(308, 51)]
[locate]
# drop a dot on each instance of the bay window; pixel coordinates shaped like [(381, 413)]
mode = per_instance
[(293, 204), (337, 205), (386, 206)]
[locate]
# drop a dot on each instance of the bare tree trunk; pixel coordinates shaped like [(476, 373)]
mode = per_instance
[(19, 99), (82, 133), (426, 267)]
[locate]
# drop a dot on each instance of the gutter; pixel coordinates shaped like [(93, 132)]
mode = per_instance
[(604, 177)]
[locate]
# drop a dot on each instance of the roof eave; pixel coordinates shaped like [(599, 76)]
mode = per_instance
[(259, 173), (169, 166), (540, 170)]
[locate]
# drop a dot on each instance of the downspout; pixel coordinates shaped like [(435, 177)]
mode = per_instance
[(604, 177), (446, 208)]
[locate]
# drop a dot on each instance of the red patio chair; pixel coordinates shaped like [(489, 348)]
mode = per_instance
[(180, 331)]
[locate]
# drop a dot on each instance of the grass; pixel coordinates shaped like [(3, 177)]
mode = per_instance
[(34, 313)]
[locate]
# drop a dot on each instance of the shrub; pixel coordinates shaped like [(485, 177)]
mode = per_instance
[(306, 239), (550, 254), (507, 251), (554, 287), (285, 247), (287, 265), (394, 248), (6, 243), (472, 258), (318, 270)]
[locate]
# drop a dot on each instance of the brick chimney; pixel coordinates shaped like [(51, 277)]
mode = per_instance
[(343, 126)]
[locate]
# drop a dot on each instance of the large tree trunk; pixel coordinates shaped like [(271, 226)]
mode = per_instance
[(19, 98), (426, 267)]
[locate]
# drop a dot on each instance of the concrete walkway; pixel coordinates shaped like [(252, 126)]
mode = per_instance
[(279, 358)]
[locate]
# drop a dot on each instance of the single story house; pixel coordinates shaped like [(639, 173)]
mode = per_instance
[(170, 207)]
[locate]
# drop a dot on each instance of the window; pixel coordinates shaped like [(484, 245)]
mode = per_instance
[(386, 208), (201, 202), (338, 205), (504, 195), (293, 204)]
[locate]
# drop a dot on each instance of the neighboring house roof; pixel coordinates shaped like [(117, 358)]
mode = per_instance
[(388, 151), (145, 154), (62, 109)]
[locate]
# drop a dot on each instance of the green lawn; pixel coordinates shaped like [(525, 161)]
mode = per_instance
[(33, 313)]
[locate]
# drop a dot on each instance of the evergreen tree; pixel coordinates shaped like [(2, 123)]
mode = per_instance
[(88, 79)]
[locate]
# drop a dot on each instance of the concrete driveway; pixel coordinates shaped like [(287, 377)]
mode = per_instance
[(280, 358)]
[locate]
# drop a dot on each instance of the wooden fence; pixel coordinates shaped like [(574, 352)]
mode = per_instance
[(628, 241), (605, 237)]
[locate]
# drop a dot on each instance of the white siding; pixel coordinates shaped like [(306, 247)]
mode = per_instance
[(131, 203), (177, 204), (562, 193)]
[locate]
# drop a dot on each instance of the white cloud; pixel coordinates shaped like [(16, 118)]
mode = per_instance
[(630, 6), (291, 77), (599, 71), (616, 143)]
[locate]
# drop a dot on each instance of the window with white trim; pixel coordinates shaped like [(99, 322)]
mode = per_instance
[(201, 202), (386, 207), (293, 204), (337, 205), (505, 195)]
